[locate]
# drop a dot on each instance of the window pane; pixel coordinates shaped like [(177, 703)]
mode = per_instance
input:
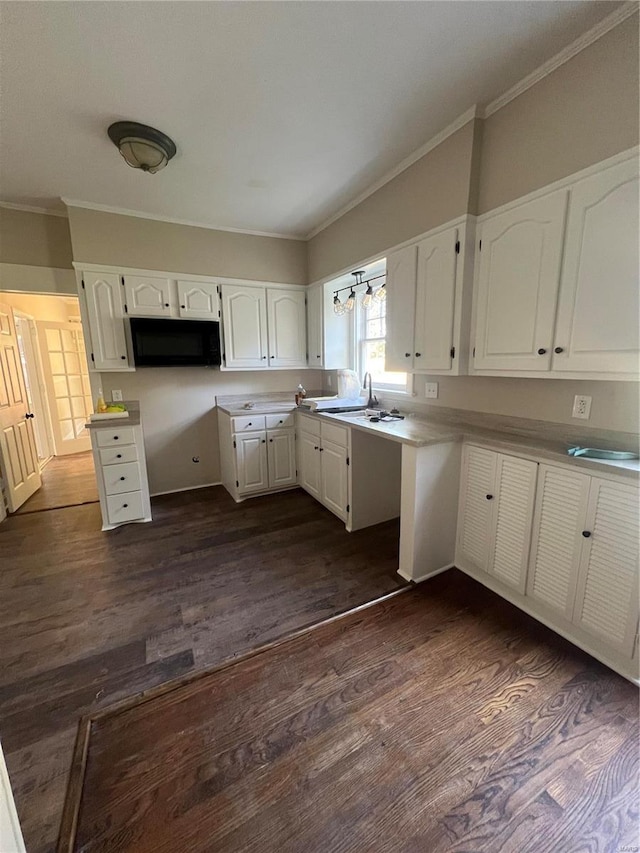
[(375, 328), (373, 362)]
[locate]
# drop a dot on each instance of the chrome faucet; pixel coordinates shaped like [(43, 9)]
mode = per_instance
[(372, 401)]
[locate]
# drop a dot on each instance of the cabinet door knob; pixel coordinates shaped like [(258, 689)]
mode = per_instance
[(321, 449), (316, 447), (586, 533), (118, 455), (541, 351), (489, 497), (407, 355), (418, 355), (264, 441), (166, 305), (116, 437), (559, 350), (124, 506), (270, 441), (123, 478), (263, 357), (123, 357), (182, 306)]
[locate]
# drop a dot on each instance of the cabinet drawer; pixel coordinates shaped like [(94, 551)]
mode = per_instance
[(115, 436), (117, 455), (309, 425), (124, 507), (247, 423), (286, 419), (121, 478), (336, 434)]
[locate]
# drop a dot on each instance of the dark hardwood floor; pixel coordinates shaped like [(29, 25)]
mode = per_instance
[(443, 719), (89, 618), (66, 481)]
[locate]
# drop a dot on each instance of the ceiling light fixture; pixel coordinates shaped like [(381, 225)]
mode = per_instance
[(338, 307), (141, 146), (381, 292)]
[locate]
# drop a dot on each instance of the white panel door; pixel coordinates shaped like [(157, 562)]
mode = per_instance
[(106, 321), (18, 454), (251, 458), (287, 312), (315, 308), (559, 519), (244, 321), (147, 296), (334, 480), (281, 450), (309, 457), (607, 591), (519, 259), (69, 395), (597, 328), (435, 301), (515, 491), (198, 300), (476, 505), (401, 303)]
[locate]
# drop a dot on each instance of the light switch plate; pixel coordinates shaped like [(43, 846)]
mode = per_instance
[(431, 389), (581, 407), (116, 396)]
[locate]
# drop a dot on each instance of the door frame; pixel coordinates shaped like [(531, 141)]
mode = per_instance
[(37, 384)]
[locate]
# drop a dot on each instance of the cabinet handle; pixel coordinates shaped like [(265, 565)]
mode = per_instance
[(123, 478), (182, 306), (279, 422), (317, 356), (559, 350), (118, 455), (541, 351), (489, 497), (124, 506), (270, 441), (250, 423), (264, 440), (407, 355), (316, 447), (586, 533), (166, 305), (123, 357), (263, 357), (321, 449), (116, 437), (418, 355)]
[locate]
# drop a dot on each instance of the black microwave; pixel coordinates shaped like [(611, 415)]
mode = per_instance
[(175, 343)]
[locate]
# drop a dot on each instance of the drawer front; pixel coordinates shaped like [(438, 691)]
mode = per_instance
[(117, 455), (121, 478), (125, 507), (115, 436), (247, 423), (309, 425), (286, 419), (336, 434)]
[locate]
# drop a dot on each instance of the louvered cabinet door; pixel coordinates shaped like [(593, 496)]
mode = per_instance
[(476, 503), (515, 491), (559, 519), (607, 594)]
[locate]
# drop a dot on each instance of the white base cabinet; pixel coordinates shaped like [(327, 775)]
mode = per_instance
[(323, 463), (559, 543)]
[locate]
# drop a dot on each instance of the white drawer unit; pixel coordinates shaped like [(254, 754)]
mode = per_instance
[(285, 420), (121, 474), (118, 454), (248, 423)]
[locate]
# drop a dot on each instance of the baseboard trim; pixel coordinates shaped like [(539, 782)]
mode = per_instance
[(427, 576), (184, 489)]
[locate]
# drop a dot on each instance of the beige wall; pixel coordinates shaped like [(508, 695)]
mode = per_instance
[(433, 190), (129, 241), (56, 309), (34, 239), (584, 112), (180, 420)]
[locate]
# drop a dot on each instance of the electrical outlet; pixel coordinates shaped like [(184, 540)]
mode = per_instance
[(116, 396), (581, 407), (431, 389)]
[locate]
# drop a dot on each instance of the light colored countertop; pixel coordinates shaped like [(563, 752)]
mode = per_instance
[(133, 407)]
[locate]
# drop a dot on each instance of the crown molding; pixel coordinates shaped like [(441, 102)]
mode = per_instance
[(123, 211), (440, 137), (27, 208), (600, 29)]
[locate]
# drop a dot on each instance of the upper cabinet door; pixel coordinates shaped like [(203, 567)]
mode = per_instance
[(106, 321), (198, 300), (244, 316), (519, 259), (286, 311), (435, 301), (147, 296), (315, 308), (401, 297), (607, 594), (597, 329)]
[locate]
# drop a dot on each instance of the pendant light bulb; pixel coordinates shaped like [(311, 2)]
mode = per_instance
[(381, 293), (368, 297), (338, 307), (351, 301)]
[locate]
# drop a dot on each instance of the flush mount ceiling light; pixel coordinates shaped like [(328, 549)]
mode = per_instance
[(142, 147)]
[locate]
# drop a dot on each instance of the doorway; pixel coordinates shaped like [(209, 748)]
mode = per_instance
[(45, 450)]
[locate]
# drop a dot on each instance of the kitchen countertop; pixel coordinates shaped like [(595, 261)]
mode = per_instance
[(133, 407)]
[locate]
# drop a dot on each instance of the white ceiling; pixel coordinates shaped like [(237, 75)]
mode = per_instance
[(282, 111)]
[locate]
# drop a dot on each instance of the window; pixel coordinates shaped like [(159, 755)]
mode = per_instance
[(371, 330)]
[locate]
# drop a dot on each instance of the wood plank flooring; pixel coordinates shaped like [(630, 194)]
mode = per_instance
[(440, 720), (89, 618), (66, 481)]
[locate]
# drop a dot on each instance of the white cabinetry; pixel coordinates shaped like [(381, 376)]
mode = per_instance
[(315, 325), (401, 300), (198, 300), (281, 458), (251, 461), (147, 296), (103, 293), (286, 318), (518, 275), (323, 460), (309, 475), (328, 335)]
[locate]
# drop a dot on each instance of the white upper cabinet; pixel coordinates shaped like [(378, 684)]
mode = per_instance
[(106, 320), (435, 301), (146, 296), (198, 300), (401, 296), (287, 339), (597, 328), (244, 315), (518, 275), (315, 326)]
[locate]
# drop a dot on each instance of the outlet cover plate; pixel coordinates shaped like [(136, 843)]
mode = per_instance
[(116, 396), (581, 407), (431, 389)]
